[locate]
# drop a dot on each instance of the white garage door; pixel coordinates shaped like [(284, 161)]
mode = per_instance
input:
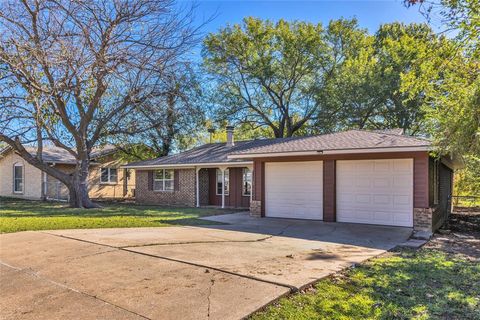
[(375, 191), (294, 189)]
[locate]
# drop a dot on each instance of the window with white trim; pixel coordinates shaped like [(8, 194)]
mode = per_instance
[(220, 182), (163, 180), (246, 182), (18, 178), (108, 175)]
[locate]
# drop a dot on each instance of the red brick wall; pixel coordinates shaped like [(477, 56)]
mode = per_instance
[(183, 195)]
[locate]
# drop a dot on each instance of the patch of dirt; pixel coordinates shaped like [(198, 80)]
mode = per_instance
[(461, 234), (464, 220)]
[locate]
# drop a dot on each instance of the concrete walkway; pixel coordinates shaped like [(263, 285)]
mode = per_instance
[(217, 272)]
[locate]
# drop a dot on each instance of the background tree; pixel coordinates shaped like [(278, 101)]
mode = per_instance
[(265, 73), (72, 72), (383, 82), (175, 117), (343, 78), (454, 120), (348, 93)]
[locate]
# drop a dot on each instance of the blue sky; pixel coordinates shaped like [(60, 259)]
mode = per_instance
[(370, 14)]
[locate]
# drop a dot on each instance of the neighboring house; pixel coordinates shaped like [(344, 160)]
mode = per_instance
[(106, 179), (356, 176)]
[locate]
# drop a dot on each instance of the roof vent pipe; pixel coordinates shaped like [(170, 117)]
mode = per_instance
[(211, 131), (230, 142)]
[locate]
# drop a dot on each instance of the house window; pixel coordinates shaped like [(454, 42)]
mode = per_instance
[(163, 180), (18, 178), (220, 183), (108, 175), (246, 182)]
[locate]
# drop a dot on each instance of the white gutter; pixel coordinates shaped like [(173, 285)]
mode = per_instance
[(325, 152), (191, 165)]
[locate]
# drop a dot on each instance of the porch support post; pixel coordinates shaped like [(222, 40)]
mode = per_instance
[(197, 171), (223, 187), (251, 184), (222, 169)]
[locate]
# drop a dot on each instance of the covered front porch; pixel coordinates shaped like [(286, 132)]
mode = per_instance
[(225, 186)]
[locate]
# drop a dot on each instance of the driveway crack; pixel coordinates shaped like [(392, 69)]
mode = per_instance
[(126, 249), (207, 241), (58, 284), (212, 282), (90, 255)]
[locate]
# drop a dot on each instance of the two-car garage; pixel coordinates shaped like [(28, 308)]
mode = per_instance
[(366, 191)]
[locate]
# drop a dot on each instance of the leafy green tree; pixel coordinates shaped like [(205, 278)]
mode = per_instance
[(454, 119), (408, 57), (267, 74), (467, 181), (454, 122), (349, 93), (384, 84)]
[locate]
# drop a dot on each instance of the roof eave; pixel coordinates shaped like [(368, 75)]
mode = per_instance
[(189, 165), (325, 152)]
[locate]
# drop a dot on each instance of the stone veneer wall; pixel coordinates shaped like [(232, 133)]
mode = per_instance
[(256, 208), (183, 195), (422, 219)]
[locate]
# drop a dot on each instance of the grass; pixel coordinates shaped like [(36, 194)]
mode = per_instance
[(423, 284), (21, 215)]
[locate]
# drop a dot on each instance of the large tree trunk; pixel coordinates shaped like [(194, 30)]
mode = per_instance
[(78, 196), (78, 188)]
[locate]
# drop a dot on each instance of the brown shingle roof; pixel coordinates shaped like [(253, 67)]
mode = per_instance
[(353, 139), (347, 140), (207, 153)]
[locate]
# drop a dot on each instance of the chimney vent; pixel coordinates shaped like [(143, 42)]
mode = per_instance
[(211, 131), (230, 142)]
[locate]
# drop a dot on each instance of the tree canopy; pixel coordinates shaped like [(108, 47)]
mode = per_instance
[(341, 78)]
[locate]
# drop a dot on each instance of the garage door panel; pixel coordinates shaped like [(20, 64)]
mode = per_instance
[(402, 181), (402, 166), (382, 182), (380, 194), (381, 165), (294, 190), (361, 182), (382, 199)]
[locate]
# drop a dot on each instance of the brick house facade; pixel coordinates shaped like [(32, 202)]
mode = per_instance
[(184, 193), (417, 187)]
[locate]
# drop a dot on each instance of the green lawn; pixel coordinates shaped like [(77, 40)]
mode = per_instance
[(423, 284), (20, 215)]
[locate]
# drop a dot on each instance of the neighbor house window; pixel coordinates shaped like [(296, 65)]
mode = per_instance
[(246, 182), (220, 182), (108, 175), (163, 180), (18, 178)]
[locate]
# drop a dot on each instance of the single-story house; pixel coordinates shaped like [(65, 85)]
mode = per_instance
[(356, 176), (22, 180)]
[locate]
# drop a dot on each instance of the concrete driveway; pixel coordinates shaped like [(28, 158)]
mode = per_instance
[(217, 272)]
